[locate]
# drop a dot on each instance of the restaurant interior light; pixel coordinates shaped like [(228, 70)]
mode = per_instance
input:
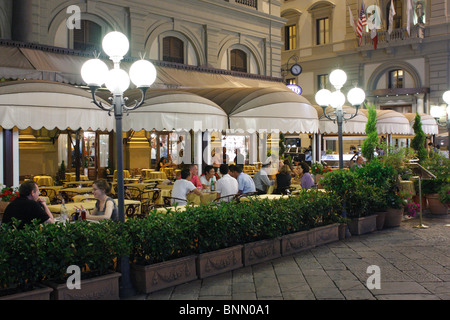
[(94, 72), (116, 45), (143, 73)]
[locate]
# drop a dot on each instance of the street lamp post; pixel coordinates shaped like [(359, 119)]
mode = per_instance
[(95, 73), (336, 99), (437, 112)]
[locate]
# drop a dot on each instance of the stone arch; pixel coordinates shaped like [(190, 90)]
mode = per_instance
[(389, 66), (232, 42), (101, 17), (157, 33)]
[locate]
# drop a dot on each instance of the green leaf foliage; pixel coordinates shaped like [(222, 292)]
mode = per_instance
[(418, 142), (371, 141)]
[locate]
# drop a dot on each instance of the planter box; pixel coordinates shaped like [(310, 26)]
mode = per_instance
[(326, 234), (393, 218), (104, 287), (39, 293), (260, 251), (435, 205), (163, 275), (381, 218), (297, 242), (363, 225), (219, 261)]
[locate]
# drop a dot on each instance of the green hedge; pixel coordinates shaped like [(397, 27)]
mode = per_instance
[(43, 252)]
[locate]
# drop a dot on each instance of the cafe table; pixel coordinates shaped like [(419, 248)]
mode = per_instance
[(145, 173), (71, 176), (83, 183), (157, 175), (126, 174), (71, 206), (44, 180), (51, 192), (206, 197)]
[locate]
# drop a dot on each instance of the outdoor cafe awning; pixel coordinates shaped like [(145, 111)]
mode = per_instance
[(50, 105), (429, 124), (391, 122), (357, 125)]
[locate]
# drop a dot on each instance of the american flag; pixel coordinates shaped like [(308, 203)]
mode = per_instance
[(362, 22)]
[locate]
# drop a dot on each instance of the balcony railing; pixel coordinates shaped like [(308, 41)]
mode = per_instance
[(248, 3), (397, 37)]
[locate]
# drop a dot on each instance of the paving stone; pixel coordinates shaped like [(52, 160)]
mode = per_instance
[(361, 294)]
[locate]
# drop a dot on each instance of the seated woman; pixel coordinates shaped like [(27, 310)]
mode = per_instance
[(283, 179), (105, 207), (162, 164), (306, 180)]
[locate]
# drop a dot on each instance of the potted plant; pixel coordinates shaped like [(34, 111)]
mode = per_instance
[(395, 210), (95, 249), (22, 263), (319, 170), (7, 195), (440, 167)]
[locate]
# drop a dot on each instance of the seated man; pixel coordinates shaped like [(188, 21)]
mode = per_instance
[(182, 187), (262, 181), (245, 182), (28, 206), (205, 179), (227, 185)]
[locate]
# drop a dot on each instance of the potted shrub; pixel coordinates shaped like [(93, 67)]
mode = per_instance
[(95, 248), (359, 209), (164, 247), (22, 263), (395, 210), (440, 167)]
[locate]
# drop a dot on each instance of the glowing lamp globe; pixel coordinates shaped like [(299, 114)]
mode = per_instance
[(94, 72), (117, 81), (437, 111), (322, 97), (116, 45), (356, 96), (337, 100), (142, 73), (337, 78), (446, 97)]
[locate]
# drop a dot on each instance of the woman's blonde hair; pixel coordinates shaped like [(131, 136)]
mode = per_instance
[(285, 169)]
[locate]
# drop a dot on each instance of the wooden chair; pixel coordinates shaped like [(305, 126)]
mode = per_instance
[(133, 193), (152, 194), (245, 195), (168, 201), (68, 195), (231, 197), (132, 210)]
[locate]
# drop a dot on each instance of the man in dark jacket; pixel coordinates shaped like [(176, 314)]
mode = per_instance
[(28, 206)]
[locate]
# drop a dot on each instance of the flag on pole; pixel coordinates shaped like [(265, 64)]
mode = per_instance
[(362, 22), (352, 20), (391, 17), (374, 36), (409, 8)]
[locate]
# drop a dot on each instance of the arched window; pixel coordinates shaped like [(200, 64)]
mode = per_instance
[(88, 37), (397, 21), (238, 61), (173, 50)]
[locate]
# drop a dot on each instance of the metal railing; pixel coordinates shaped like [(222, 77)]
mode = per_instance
[(248, 3), (397, 36)]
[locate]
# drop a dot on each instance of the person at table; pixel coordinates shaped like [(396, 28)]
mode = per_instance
[(105, 207), (284, 178), (306, 180), (193, 169), (261, 180), (245, 182), (28, 206), (359, 163), (182, 187), (227, 186), (205, 179), (162, 163)]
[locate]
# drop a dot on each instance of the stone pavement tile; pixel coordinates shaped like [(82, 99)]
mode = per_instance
[(288, 283), (319, 282), (341, 275), (327, 293), (408, 297), (343, 285), (243, 275), (267, 288), (299, 295), (215, 290), (360, 294), (244, 296), (190, 287), (313, 272), (224, 279), (443, 296), (163, 294), (421, 275), (215, 297), (399, 287), (243, 287), (437, 287)]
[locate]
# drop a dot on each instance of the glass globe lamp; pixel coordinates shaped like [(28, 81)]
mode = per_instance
[(337, 78), (142, 73), (116, 45), (356, 96), (94, 72), (322, 97)]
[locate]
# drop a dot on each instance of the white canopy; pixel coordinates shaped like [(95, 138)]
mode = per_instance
[(39, 104), (391, 122), (429, 124), (270, 108), (165, 109), (357, 125)]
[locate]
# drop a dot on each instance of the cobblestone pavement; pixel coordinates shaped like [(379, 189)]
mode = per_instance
[(414, 265)]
